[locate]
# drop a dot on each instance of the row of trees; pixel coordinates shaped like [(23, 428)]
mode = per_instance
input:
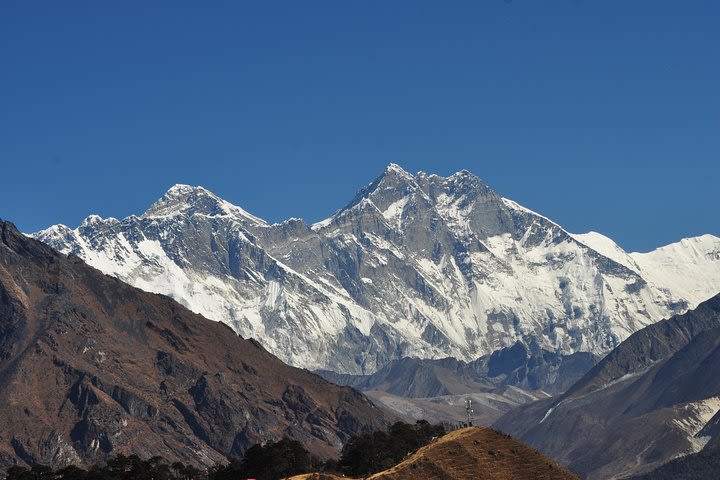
[(362, 455), (377, 451), (269, 462), (118, 468)]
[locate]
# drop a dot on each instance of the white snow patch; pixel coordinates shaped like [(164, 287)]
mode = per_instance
[(689, 268), (322, 223), (547, 414), (393, 214), (606, 247)]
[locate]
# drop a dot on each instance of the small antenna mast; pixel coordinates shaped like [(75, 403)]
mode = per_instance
[(469, 410)]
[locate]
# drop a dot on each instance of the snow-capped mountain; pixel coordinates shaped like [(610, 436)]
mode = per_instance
[(415, 265)]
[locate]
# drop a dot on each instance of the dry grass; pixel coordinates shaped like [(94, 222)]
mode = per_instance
[(471, 453)]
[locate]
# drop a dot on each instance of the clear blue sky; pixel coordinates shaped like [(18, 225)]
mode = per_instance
[(602, 115)]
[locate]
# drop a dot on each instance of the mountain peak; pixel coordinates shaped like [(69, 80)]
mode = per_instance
[(182, 199), (394, 180), (394, 168), (93, 219), (464, 174), (184, 189), (395, 187)]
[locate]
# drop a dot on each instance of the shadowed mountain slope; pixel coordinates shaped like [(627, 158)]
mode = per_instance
[(91, 367), (655, 397), (704, 465)]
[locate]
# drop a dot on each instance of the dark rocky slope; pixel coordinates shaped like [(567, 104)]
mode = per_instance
[(704, 465), (91, 367), (655, 397)]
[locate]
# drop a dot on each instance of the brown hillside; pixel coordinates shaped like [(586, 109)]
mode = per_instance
[(91, 367), (474, 453)]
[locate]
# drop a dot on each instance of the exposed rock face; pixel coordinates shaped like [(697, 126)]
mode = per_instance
[(91, 367), (653, 398), (416, 265)]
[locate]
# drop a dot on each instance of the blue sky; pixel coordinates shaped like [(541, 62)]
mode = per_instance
[(603, 115)]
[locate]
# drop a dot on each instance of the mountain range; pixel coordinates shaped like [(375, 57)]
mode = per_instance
[(414, 266)]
